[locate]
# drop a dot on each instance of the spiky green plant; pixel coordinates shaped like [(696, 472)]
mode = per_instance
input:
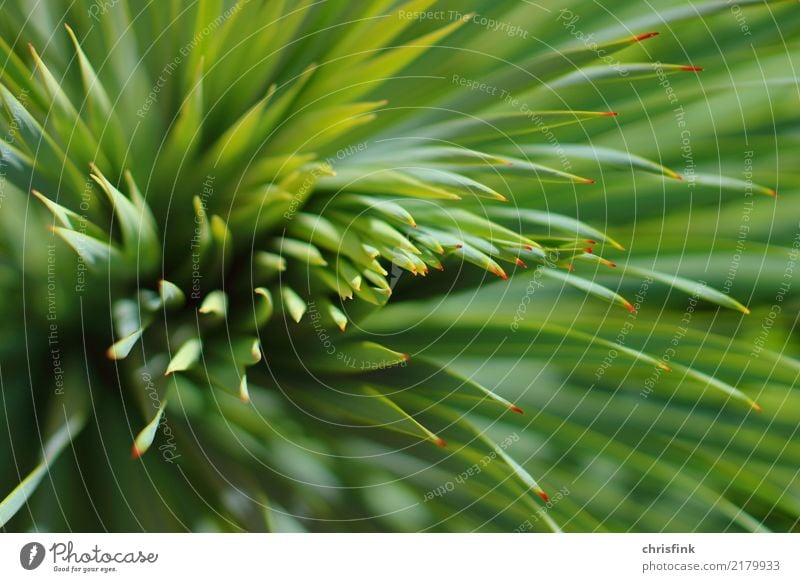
[(248, 205)]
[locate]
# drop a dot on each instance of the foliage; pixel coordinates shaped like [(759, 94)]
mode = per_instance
[(249, 204)]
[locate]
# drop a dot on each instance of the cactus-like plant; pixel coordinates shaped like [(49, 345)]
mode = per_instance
[(223, 226)]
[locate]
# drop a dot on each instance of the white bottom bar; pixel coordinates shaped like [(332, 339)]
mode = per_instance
[(401, 557)]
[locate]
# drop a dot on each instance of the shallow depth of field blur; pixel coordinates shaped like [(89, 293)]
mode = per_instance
[(399, 265)]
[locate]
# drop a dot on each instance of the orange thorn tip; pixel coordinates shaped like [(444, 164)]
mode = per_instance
[(609, 113), (756, 407), (405, 357), (691, 68), (645, 36), (591, 242), (587, 181), (544, 496), (613, 265), (772, 192), (521, 264), (499, 272), (527, 247), (569, 267), (135, 452), (517, 409), (440, 442), (588, 250), (629, 307)]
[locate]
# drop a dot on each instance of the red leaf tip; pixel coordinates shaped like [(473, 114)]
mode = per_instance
[(440, 442), (610, 114), (645, 36), (517, 409), (629, 307), (691, 68), (544, 496), (135, 452), (521, 264), (757, 408), (500, 273)]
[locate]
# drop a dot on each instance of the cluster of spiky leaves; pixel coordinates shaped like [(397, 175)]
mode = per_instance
[(238, 189)]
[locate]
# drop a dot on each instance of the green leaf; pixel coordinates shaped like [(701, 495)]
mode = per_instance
[(123, 347), (726, 183), (357, 357), (293, 303), (589, 287), (603, 156), (186, 357), (171, 295), (52, 449), (302, 251), (139, 230), (145, 437), (93, 251), (695, 288), (215, 303), (552, 220)]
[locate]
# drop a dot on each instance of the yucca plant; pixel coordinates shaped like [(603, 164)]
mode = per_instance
[(223, 226)]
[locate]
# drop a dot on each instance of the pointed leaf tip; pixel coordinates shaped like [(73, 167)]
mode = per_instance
[(645, 36), (146, 436), (244, 391), (186, 356)]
